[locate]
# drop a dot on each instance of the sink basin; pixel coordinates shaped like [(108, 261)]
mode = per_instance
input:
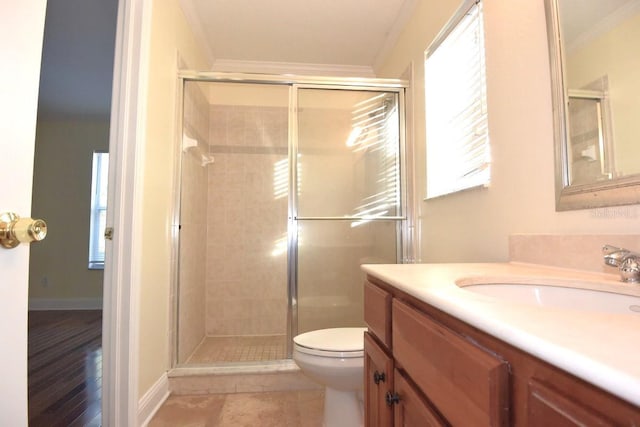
[(560, 297)]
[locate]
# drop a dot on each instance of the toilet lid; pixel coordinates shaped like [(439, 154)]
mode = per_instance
[(333, 340)]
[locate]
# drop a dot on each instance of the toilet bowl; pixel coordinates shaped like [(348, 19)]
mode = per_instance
[(335, 358)]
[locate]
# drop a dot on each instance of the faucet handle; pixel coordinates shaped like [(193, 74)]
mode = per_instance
[(614, 255), (627, 261), (609, 249), (630, 270)]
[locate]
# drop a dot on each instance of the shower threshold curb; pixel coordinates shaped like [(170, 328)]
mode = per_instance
[(239, 378), (268, 367)]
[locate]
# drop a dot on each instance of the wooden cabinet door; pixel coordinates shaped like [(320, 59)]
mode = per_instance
[(549, 407), (378, 381), (411, 410)]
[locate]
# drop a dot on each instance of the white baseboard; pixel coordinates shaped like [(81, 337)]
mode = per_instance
[(152, 400), (37, 304)]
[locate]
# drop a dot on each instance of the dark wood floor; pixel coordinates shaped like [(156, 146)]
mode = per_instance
[(65, 368)]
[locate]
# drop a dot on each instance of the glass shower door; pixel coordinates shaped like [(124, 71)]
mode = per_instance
[(347, 206), (232, 292)]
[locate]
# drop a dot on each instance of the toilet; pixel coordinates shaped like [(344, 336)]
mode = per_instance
[(335, 358)]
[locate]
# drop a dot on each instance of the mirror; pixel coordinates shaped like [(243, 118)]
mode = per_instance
[(595, 61)]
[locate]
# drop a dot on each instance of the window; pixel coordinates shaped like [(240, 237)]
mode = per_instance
[(100, 170), (458, 155)]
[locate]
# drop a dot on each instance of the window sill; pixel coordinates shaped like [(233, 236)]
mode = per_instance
[(96, 265)]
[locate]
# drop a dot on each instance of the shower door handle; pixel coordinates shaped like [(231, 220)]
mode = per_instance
[(15, 230)]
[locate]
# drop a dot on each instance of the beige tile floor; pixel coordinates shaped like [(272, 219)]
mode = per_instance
[(272, 409), (240, 349)]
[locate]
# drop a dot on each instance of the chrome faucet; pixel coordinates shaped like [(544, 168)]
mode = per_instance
[(628, 262)]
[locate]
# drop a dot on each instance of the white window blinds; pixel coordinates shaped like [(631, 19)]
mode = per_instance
[(458, 155)]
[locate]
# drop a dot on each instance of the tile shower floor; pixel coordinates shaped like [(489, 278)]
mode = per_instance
[(270, 409), (240, 349)]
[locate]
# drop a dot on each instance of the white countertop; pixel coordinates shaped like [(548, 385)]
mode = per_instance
[(601, 348)]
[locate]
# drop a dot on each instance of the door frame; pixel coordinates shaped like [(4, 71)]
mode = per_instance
[(120, 392)]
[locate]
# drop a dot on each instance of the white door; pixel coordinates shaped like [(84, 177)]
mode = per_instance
[(21, 32)]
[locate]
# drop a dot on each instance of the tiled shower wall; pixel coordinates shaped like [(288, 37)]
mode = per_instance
[(193, 217), (584, 142), (247, 225), (247, 221)]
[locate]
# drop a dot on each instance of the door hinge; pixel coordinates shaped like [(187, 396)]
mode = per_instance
[(108, 233)]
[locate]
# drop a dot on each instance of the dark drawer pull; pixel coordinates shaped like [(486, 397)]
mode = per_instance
[(392, 398), (378, 377)]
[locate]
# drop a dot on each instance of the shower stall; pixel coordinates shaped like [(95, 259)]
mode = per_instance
[(286, 185)]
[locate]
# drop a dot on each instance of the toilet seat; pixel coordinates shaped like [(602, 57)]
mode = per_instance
[(334, 342)]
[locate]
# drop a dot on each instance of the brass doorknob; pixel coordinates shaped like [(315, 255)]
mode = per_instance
[(15, 230)]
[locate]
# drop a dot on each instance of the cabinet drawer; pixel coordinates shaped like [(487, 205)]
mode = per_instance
[(468, 385), (377, 312)]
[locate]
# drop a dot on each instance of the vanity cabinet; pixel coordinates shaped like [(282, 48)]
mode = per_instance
[(441, 371)]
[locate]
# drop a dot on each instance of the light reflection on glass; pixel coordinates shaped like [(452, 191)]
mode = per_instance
[(280, 246), (375, 133), (280, 179)]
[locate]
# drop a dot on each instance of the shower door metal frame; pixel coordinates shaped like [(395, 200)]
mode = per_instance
[(294, 82)]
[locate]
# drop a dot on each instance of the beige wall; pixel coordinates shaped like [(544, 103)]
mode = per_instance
[(615, 55), (170, 38), (475, 225), (62, 196)]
